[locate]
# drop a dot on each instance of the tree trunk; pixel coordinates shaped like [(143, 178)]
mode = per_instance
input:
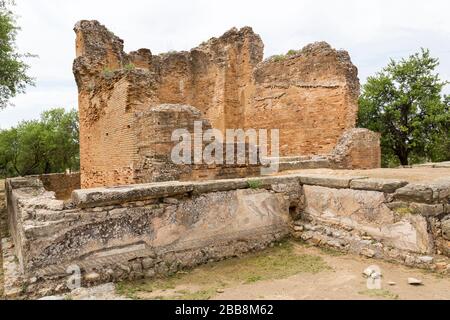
[(403, 157), (47, 167)]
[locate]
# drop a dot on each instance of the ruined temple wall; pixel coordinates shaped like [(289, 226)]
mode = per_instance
[(358, 148), (154, 128), (212, 77), (186, 78), (107, 140), (311, 96), (108, 143), (115, 87)]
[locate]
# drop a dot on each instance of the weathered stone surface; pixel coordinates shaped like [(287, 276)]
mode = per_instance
[(414, 192), (107, 196), (446, 229), (441, 190), (94, 197), (156, 229), (304, 164), (438, 191), (327, 181), (410, 233), (369, 253), (367, 211), (427, 210), (383, 185), (147, 263), (346, 205), (234, 221), (92, 277), (358, 148), (25, 182), (219, 185), (426, 259), (424, 209), (12, 276)]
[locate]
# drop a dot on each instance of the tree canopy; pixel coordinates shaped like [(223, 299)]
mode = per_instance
[(48, 145), (13, 70), (406, 104)]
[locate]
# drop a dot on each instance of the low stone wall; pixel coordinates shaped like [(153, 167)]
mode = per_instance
[(139, 230), (156, 229), (380, 218)]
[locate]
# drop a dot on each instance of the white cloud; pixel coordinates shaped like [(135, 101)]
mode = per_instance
[(372, 31)]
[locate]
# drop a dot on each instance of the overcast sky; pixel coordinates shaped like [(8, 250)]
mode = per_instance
[(371, 30)]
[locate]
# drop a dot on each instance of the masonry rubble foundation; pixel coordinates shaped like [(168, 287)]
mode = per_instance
[(156, 229)]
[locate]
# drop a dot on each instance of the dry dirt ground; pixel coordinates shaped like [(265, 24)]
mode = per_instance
[(291, 271)]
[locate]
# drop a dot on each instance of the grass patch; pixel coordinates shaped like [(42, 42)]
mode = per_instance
[(403, 211), (254, 184), (281, 57), (253, 279), (379, 293), (129, 67), (292, 52), (108, 73), (278, 262), (278, 57), (332, 252)]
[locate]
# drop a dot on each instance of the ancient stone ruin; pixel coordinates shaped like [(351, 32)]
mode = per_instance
[(310, 95), (157, 229), (134, 213)]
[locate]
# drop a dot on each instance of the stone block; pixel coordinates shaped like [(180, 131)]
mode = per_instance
[(327, 180), (446, 229), (414, 192), (383, 185), (115, 195), (427, 210), (25, 182), (367, 212)]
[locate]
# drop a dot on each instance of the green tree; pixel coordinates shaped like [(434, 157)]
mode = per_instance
[(48, 145), (13, 70), (405, 103)]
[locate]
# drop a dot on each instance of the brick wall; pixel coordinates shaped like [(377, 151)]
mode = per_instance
[(310, 96), (61, 183), (357, 149)]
